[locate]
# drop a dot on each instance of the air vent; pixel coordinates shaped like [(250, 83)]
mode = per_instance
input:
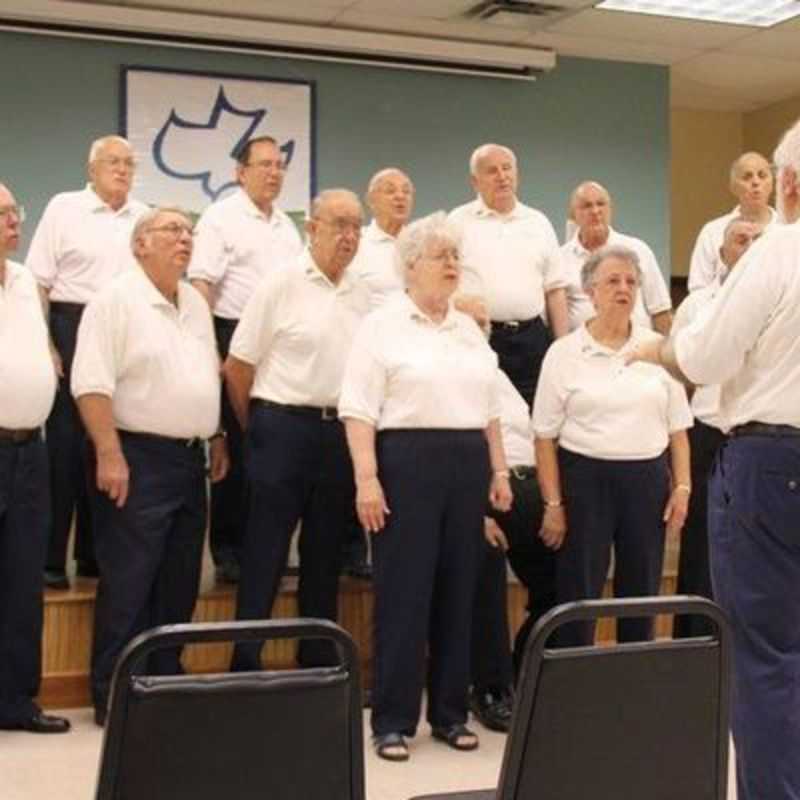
[(529, 14)]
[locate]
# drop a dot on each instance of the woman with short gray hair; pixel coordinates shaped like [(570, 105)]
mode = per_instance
[(611, 450)]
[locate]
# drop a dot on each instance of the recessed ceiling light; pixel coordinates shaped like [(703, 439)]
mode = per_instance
[(758, 13)]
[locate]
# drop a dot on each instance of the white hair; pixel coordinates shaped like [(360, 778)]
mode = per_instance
[(104, 141), (415, 238), (604, 254), (483, 151), (787, 153), (149, 218), (376, 179)]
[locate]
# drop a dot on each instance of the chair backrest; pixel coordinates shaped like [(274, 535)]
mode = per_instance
[(281, 735), (633, 720)]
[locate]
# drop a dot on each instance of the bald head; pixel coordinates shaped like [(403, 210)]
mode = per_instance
[(390, 197), (493, 169), (590, 207), (751, 181), (334, 230)]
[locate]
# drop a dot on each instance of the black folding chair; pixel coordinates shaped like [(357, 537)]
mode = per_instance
[(634, 721), (282, 735)]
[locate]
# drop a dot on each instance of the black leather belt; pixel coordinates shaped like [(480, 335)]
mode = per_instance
[(513, 325), (324, 413), (9, 436), (194, 442), (224, 322), (522, 473), (59, 306), (764, 429)]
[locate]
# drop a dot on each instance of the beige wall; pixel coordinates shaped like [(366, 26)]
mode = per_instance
[(703, 143), (763, 128)]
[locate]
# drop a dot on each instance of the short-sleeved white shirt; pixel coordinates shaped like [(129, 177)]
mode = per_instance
[(705, 400), (651, 299), (515, 424), (81, 243), (157, 363), (27, 374), (598, 406), (407, 371), (511, 260), (705, 264), (236, 246), (749, 342), (376, 264), (296, 330)]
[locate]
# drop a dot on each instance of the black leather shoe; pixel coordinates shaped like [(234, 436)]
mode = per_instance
[(492, 709), (87, 569), (39, 722), (55, 579)]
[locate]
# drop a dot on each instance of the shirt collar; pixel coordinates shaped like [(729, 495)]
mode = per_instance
[(375, 233), (249, 207), (449, 322), (589, 346), (13, 274), (482, 210), (316, 275), (579, 250), (96, 204), (153, 296)]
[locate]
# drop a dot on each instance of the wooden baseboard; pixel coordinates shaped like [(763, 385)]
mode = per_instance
[(68, 623)]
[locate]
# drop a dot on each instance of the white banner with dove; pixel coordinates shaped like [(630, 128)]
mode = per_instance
[(185, 129)]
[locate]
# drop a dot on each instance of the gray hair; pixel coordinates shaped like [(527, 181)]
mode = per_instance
[(603, 254), (481, 152), (376, 179), (329, 194), (150, 216), (787, 153), (414, 238), (104, 141)]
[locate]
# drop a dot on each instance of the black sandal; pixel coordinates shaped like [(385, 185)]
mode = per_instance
[(455, 736), (391, 746)]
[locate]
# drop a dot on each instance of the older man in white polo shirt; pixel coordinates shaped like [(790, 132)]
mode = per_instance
[(240, 240), (146, 379), (750, 343), (27, 389), (591, 208), (511, 261), (751, 183), (283, 375), (81, 243)]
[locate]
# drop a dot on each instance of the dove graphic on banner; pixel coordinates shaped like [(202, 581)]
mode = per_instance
[(181, 146)]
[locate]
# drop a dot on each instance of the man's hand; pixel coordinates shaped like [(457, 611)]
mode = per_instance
[(371, 504), (554, 527), (676, 510), (219, 460), (113, 476), (500, 494), (494, 535)]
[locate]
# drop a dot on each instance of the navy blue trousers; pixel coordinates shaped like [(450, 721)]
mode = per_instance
[(24, 523), (520, 353), (534, 565), (228, 496), (694, 571), (617, 504), (424, 570), (149, 553), (66, 447), (298, 468), (754, 533)]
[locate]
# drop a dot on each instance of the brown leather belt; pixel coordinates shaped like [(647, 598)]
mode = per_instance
[(18, 436)]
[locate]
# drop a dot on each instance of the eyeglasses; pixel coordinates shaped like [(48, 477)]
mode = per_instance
[(12, 211), (174, 229), (117, 161)]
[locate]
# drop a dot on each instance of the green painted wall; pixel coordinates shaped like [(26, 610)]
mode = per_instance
[(587, 119)]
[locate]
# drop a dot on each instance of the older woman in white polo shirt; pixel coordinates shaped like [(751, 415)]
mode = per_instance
[(611, 449), (422, 377)]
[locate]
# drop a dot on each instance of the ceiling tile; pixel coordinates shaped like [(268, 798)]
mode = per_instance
[(428, 9), (319, 11), (774, 43)]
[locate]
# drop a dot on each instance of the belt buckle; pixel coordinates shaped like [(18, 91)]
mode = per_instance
[(329, 414), (518, 472)]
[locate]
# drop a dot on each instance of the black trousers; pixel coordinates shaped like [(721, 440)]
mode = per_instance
[(534, 564), (66, 448), (424, 570), (228, 496), (24, 522), (617, 504), (298, 468), (520, 352), (694, 571), (149, 553)]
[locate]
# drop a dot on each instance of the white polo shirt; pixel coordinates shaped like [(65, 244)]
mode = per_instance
[(705, 264), (407, 371), (705, 400), (515, 424), (156, 362), (598, 406), (651, 299), (27, 374), (377, 266), (511, 260), (236, 246), (296, 331), (750, 341), (81, 243)]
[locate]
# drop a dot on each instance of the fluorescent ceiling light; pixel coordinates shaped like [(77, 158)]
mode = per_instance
[(758, 13)]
